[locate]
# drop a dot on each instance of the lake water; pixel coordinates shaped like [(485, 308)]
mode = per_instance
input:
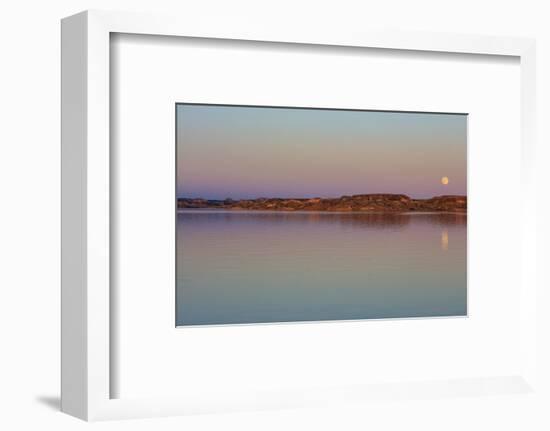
[(255, 267)]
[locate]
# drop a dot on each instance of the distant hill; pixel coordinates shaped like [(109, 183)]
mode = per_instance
[(381, 202)]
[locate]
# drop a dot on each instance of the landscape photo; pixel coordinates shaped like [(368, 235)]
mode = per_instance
[(287, 214)]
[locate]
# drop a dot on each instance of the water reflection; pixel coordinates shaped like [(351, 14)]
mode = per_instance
[(378, 220), (256, 266), (444, 240)]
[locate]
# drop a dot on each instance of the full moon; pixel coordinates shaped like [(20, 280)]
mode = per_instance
[(444, 181)]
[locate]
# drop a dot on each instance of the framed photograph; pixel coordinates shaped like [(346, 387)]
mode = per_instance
[(305, 214), (277, 218)]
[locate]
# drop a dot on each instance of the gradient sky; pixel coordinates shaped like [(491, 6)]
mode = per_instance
[(249, 152)]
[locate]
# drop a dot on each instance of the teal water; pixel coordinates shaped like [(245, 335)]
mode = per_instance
[(256, 267)]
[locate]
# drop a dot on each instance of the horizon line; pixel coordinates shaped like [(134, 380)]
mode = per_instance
[(318, 197)]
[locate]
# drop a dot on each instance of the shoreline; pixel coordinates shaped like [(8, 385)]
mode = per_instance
[(239, 210)]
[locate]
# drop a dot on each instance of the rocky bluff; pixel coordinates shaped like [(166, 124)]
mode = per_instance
[(381, 202)]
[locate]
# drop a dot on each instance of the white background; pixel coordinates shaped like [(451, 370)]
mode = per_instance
[(29, 220), (156, 359)]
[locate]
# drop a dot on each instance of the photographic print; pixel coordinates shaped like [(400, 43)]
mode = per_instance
[(304, 214)]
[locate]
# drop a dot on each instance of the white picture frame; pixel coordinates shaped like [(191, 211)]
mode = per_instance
[(86, 311)]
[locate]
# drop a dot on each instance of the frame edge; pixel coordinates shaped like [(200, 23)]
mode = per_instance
[(74, 306)]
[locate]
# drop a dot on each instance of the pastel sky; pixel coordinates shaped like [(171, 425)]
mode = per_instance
[(249, 152)]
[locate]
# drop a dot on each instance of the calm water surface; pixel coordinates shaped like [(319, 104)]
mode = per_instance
[(252, 267)]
